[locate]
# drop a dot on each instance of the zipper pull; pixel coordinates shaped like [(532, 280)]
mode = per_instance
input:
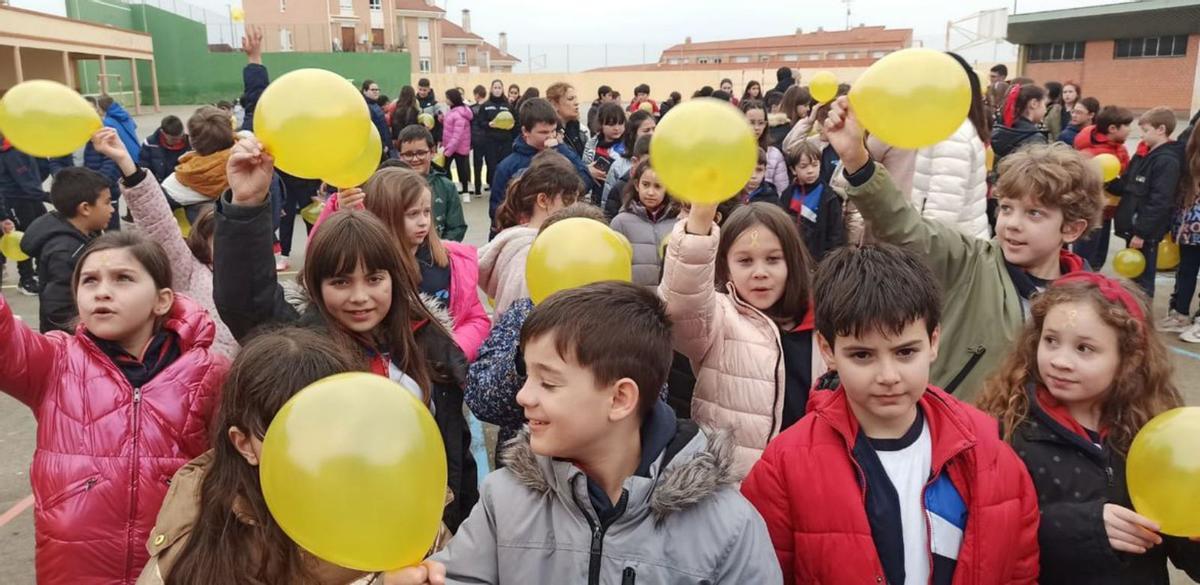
[(629, 576), (1109, 471)]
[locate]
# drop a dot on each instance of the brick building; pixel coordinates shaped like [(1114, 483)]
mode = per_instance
[(856, 47), (1137, 54)]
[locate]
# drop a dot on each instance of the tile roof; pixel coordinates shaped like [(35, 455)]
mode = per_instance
[(495, 54), (416, 5), (450, 30), (854, 36)]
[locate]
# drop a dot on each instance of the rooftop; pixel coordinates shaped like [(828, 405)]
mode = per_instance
[(450, 30), (857, 35), (495, 54), (420, 5), (1107, 21)]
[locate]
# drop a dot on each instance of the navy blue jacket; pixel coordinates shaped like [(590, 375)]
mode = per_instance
[(19, 176), (379, 119), (522, 155), (159, 158), (105, 166), (254, 82)]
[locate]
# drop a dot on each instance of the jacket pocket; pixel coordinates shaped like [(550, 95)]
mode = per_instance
[(72, 491)]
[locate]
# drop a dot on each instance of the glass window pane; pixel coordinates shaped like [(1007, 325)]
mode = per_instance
[(1152, 47), (1181, 44), (1056, 52), (1122, 48), (1135, 47)]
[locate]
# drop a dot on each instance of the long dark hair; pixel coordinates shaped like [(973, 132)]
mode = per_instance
[(631, 130), (455, 97), (764, 139), (746, 93), (978, 114), (270, 369), (793, 305)]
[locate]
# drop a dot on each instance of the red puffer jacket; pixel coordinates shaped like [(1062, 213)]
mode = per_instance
[(106, 451), (807, 488)]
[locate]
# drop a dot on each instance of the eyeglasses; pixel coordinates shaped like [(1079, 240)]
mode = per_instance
[(414, 155), (372, 89)]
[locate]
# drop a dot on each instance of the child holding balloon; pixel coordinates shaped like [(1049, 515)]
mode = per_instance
[(647, 218), (121, 404), (1087, 374), (640, 123), (363, 295)]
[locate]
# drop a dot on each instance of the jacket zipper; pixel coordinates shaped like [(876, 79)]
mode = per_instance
[(81, 488), (629, 577), (596, 551), (133, 469), (976, 355), (862, 494)]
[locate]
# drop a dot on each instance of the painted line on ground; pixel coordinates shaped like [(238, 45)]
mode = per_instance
[(1185, 353), (16, 510)]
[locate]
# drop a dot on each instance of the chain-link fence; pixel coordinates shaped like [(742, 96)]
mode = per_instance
[(220, 27)]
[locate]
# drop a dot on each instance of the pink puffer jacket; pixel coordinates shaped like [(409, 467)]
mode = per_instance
[(471, 322), (456, 131), (106, 451), (735, 350)]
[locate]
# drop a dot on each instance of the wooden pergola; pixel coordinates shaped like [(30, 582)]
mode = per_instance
[(34, 45)]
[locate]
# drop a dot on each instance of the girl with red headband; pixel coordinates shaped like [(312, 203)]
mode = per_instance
[(1087, 373)]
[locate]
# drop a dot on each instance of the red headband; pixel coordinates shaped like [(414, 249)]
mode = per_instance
[(1110, 289), (1010, 112)]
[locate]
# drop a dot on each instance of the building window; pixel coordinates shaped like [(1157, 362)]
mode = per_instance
[(742, 59), (285, 40), (375, 5), (702, 60), (1168, 46), (878, 54), (282, 5), (672, 61), (838, 56), (423, 29), (1072, 51), (462, 55), (764, 58), (346, 6), (814, 56), (424, 66), (791, 57)]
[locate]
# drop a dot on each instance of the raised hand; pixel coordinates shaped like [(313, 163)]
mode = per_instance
[(351, 198), (252, 43), (106, 142), (249, 172), (845, 135)]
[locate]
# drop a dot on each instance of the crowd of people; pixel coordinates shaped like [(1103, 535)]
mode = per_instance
[(871, 364)]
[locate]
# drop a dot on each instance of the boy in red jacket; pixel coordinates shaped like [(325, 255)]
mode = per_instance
[(1106, 136), (888, 479)]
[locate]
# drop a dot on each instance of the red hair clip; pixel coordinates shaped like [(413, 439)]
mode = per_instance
[(1110, 288)]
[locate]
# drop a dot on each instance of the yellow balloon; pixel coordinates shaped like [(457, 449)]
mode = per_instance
[(504, 121), (989, 158), (10, 246), (647, 107), (823, 86), (361, 169), (1109, 165), (1163, 471), (704, 152), (181, 218), (354, 470), (312, 212), (575, 252), (312, 121), (1129, 263), (912, 98), (237, 14), (44, 118), (1168, 254)]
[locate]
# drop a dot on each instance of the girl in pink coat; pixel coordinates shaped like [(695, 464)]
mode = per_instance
[(456, 137), (120, 406)]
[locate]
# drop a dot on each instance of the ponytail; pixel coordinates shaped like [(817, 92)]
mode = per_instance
[(550, 174)]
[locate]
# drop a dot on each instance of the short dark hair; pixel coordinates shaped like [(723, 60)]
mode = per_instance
[(1091, 104), (480, 91), (727, 80), (367, 83), (610, 114), (783, 73), (104, 102), (172, 126), (773, 98), (1002, 69), (641, 88), (413, 133), (802, 149), (199, 240), (603, 91), (537, 111), (74, 186), (1113, 116), (423, 82), (614, 329), (455, 97), (721, 95), (875, 287)]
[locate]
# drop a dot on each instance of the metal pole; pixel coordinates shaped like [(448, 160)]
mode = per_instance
[(232, 29), (568, 57), (606, 54), (529, 56)]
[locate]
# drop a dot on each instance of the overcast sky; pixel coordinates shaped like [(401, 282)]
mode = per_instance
[(543, 29)]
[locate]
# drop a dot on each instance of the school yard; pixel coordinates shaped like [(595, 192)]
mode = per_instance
[(18, 430)]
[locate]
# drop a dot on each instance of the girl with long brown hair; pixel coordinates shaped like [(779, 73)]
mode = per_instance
[(1087, 373), (363, 295)]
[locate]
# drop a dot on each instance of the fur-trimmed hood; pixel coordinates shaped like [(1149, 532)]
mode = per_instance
[(694, 466)]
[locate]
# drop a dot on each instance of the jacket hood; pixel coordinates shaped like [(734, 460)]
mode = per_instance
[(1008, 138), (464, 111), (51, 230), (158, 138), (778, 119), (694, 467), (506, 243), (118, 113)]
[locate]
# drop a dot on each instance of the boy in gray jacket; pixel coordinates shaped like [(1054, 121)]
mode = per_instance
[(605, 485)]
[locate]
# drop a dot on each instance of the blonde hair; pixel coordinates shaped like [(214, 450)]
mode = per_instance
[(1054, 175), (391, 192)]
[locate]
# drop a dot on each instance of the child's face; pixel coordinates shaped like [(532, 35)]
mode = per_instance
[(418, 218), (540, 133), (1069, 94), (1035, 110), (97, 215), (613, 131), (1121, 134), (1078, 354), (1153, 135), (417, 154), (650, 192), (757, 267), (1031, 234), (807, 170), (758, 121), (884, 374), (117, 298), (1080, 116), (514, 93), (568, 412), (727, 87), (359, 301), (756, 180), (646, 128)]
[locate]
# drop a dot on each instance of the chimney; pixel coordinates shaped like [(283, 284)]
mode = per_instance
[(820, 29), (503, 42), (466, 21), (799, 31), (687, 40)]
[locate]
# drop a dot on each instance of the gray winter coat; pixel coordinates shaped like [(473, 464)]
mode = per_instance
[(647, 239), (686, 523)]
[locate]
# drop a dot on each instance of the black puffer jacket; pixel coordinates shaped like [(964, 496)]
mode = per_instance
[(247, 294), (1007, 139), (1074, 479), (1147, 191), (56, 244)]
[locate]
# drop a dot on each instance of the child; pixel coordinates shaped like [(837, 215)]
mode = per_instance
[(641, 152), (641, 95), (199, 177), (750, 342), (778, 122), (604, 147), (1148, 190), (362, 295), (639, 124), (456, 138), (97, 162), (22, 201), (1048, 196), (758, 188), (1187, 235), (1024, 109), (120, 404), (815, 208), (1107, 136), (646, 219), (605, 481), (777, 169), (214, 525), (417, 149), (802, 131), (547, 186), (162, 149), (1083, 114), (753, 91), (1088, 372), (82, 210), (539, 124), (889, 479)]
